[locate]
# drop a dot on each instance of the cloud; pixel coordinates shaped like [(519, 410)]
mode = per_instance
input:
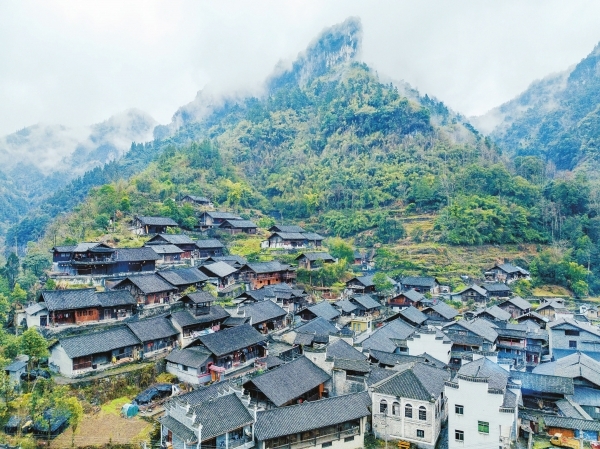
[(77, 63)]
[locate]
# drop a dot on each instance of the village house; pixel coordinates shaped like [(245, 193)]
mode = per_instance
[(391, 337), (199, 316), (338, 423), (233, 348), (584, 370), (234, 260), (260, 274), (214, 219), (238, 227), (80, 306), (535, 317), (148, 289), (264, 316), (412, 316), (567, 336), (553, 309), (314, 332), (365, 305), (410, 405), (222, 274), (291, 383), (286, 228), (290, 298), (482, 406), (155, 334), (323, 309), (408, 298), (511, 344), (209, 417), (506, 273), (494, 313), (15, 369), (516, 306), (469, 337), (542, 391), (497, 290), (439, 313), (345, 307), (181, 241), (474, 293), (421, 284), (209, 248), (536, 343), (314, 260), (286, 240), (361, 284), (75, 355), (184, 278), (152, 225), (168, 254), (189, 365), (197, 201)]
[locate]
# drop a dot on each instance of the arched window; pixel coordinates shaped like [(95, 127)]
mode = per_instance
[(383, 406), (422, 413), (396, 408), (408, 411)]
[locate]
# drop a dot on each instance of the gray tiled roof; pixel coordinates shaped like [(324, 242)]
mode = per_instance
[(496, 287), (572, 423), (290, 380), (17, 365), (304, 339), (157, 221), (218, 269), (313, 256), (114, 298), (135, 254), (542, 383), (482, 328), (340, 349), (318, 326), (569, 409), (166, 249), (421, 381), (98, 342), (174, 239), (313, 236), (346, 306), (153, 328), (475, 287), (222, 415), (443, 309), (288, 235), (392, 359), (486, 369), (222, 215), (574, 365), (273, 361), (366, 301), (497, 313), (381, 339), (148, 283), (200, 297), (198, 199), (519, 302), (231, 259), (178, 429), (266, 267), (378, 374), (282, 228), (184, 318), (311, 415), (245, 224), (183, 276), (413, 295), (420, 281), (209, 243), (587, 396), (414, 315), (232, 339), (263, 311), (64, 249), (366, 281), (193, 357), (566, 322), (359, 366), (325, 310), (70, 299)]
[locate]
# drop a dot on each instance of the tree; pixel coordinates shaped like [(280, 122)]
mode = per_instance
[(382, 282), (34, 345), (18, 295), (339, 249), (75, 411), (11, 269), (37, 263)]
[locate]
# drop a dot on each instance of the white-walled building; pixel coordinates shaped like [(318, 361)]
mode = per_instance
[(410, 405), (482, 406)]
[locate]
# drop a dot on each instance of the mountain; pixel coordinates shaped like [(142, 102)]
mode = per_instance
[(556, 118), (40, 159)]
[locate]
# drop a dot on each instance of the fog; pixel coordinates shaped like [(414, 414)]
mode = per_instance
[(77, 63)]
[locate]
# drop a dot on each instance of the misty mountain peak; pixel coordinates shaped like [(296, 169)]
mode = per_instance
[(334, 46)]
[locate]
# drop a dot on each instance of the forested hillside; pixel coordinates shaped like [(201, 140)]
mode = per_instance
[(332, 147)]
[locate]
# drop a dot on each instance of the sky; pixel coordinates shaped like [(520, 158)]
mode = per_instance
[(76, 63)]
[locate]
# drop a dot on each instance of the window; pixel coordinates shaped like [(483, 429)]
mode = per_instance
[(347, 439), (483, 427), (383, 406), (572, 344), (408, 411), (422, 413), (597, 410), (572, 332), (420, 433), (459, 409), (459, 435), (395, 408), (327, 444), (184, 368)]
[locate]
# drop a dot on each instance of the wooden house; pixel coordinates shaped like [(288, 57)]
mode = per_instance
[(152, 225), (516, 306), (214, 219), (209, 248), (421, 284), (260, 274), (553, 309), (184, 278), (284, 228), (148, 289), (287, 240), (408, 298), (507, 273), (439, 312), (314, 260), (238, 227), (181, 241), (475, 293), (155, 335), (168, 254), (361, 284), (264, 316), (365, 305), (497, 290), (222, 274), (197, 200), (198, 316)]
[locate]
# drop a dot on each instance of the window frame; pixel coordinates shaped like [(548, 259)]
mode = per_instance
[(408, 411), (457, 407), (422, 432), (383, 407), (422, 413), (572, 344), (459, 433), (482, 425)]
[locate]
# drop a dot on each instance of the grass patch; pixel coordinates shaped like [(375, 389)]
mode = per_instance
[(114, 407), (144, 434), (552, 290)]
